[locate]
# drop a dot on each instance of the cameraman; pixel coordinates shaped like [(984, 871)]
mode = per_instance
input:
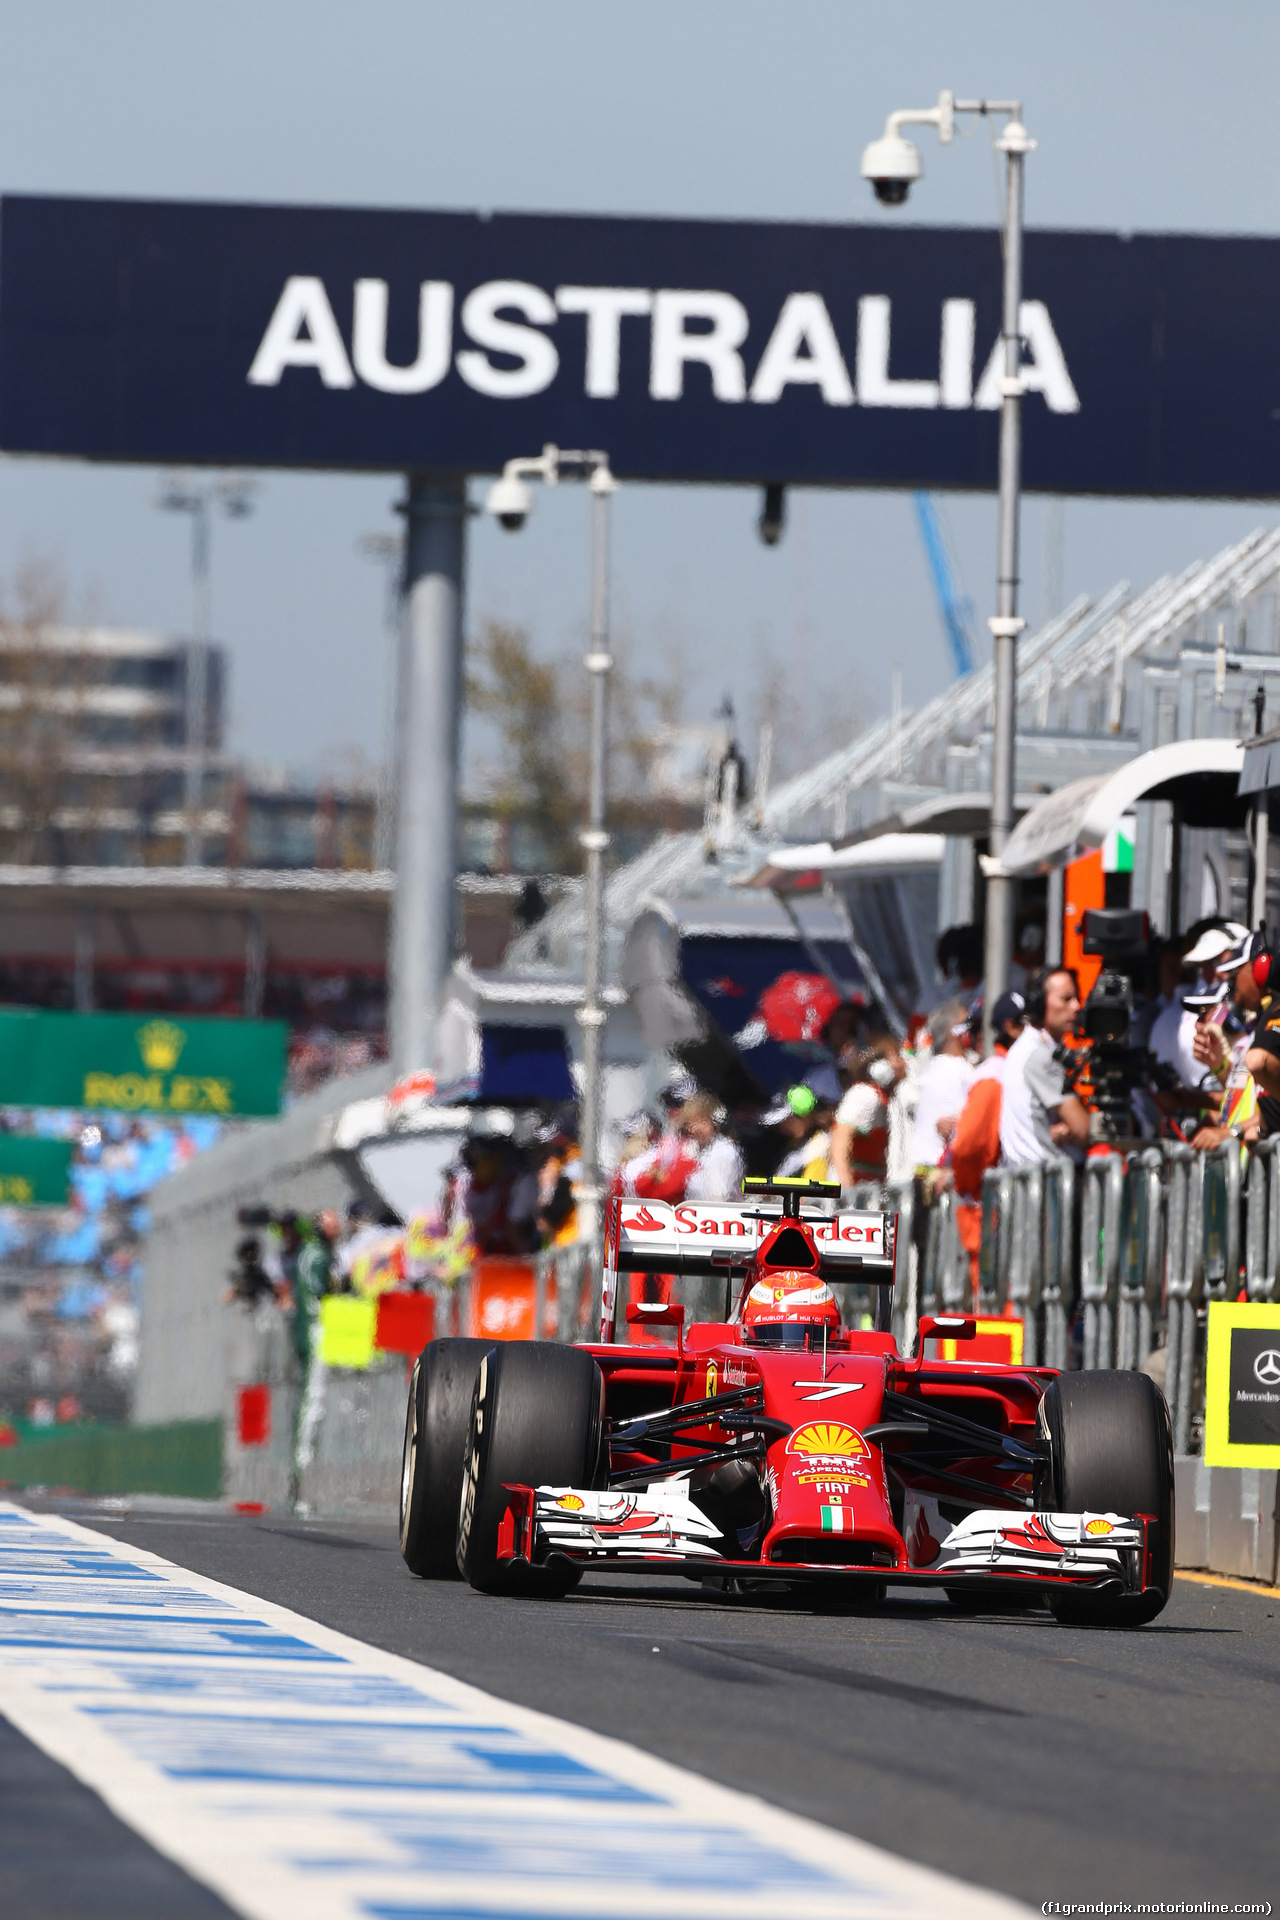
[(1039, 1118)]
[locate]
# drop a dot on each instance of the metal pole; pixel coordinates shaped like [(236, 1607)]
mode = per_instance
[(1055, 897), (595, 840), (422, 915), (1261, 853), (1006, 625), (197, 683)]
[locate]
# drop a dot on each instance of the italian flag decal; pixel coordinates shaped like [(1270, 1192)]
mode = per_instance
[(836, 1520)]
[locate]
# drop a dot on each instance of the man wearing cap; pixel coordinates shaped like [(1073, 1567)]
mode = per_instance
[(1173, 1032), (1227, 1061), (803, 1116)]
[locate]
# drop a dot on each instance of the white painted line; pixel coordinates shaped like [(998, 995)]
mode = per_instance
[(297, 1771)]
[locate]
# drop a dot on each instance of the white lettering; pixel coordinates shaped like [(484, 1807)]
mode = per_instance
[(537, 355), (717, 348), (875, 388), (1044, 372), (435, 338), (955, 359), (803, 322), (304, 303), (605, 308)]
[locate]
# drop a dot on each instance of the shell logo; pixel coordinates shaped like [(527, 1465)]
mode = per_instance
[(1098, 1528), (571, 1502), (827, 1440)]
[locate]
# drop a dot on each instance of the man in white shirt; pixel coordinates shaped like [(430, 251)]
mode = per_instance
[(718, 1173), (1173, 1032), (1039, 1119), (944, 1083)]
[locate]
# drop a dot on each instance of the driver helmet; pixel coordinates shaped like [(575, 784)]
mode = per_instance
[(789, 1308)]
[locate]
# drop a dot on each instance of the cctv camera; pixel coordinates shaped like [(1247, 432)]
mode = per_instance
[(773, 514), (892, 165), (510, 501)]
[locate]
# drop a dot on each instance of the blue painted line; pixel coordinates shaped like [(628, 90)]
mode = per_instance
[(447, 1758), (298, 1772)]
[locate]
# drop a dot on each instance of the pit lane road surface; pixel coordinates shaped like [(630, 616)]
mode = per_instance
[(322, 1776)]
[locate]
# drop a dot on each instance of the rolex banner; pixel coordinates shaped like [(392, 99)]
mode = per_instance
[(140, 1063), (34, 1173)]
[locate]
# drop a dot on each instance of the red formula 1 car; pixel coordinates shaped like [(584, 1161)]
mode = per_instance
[(780, 1444)]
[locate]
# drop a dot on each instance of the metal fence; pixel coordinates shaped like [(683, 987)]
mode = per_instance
[(1111, 1264)]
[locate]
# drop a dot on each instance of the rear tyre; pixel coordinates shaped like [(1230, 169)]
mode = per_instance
[(1111, 1450), (536, 1421), (435, 1431)]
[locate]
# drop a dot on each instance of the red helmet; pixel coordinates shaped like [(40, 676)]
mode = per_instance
[(789, 1308)]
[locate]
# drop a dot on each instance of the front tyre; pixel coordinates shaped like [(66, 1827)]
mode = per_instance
[(536, 1421), (1111, 1451), (435, 1430)]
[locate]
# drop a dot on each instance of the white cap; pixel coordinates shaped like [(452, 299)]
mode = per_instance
[(1214, 942)]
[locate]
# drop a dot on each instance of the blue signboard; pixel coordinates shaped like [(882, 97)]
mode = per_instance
[(689, 350)]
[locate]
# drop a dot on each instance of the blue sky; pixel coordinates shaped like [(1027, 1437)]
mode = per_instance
[(1149, 117)]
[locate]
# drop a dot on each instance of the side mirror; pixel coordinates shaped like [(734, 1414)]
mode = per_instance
[(945, 1326), (657, 1313)]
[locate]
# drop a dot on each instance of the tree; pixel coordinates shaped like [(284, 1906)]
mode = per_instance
[(40, 694)]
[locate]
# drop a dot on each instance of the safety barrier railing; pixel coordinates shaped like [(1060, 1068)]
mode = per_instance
[(1119, 1255)]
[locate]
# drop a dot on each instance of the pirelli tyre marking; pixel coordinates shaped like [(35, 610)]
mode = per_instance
[(661, 1520)]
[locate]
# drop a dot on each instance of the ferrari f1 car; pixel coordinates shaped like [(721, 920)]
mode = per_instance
[(780, 1444)]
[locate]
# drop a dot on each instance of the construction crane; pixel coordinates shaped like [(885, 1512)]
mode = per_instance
[(956, 609)]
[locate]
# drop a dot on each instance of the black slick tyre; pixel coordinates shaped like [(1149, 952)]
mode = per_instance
[(536, 1421), (1111, 1451), (435, 1432)]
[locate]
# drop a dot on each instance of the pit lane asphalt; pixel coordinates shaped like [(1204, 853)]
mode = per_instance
[(1050, 1763)]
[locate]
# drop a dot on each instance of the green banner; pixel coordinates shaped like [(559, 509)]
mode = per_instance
[(34, 1173), (141, 1063)]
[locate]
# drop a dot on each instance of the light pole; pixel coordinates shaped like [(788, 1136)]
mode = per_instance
[(178, 496), (892, 164), (511, 500), (387, 549)]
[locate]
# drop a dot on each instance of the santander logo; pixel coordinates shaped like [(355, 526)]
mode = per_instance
[(644, 1222)]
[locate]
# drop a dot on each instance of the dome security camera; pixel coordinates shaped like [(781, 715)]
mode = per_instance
[(510, 501), (892, 165)]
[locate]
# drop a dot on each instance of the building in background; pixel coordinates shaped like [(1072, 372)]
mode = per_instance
[(94, 747)]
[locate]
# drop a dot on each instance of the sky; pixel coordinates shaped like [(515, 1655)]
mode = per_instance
[(1148, 117)]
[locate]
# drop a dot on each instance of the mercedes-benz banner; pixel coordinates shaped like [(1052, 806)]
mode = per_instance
[(688, 350)]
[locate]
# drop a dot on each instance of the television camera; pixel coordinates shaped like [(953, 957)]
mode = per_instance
[(1106, 1071)]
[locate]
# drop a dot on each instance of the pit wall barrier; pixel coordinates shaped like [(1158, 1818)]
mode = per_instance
[(325, 1435)]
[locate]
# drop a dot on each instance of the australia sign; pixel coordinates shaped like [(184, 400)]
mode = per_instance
[(122, 1063), (689, 350)]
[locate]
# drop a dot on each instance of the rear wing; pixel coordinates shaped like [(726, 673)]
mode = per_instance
[(654, 1236)]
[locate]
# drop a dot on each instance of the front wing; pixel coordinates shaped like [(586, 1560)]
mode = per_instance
[(660, 1530)]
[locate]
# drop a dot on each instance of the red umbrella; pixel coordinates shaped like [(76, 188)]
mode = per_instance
[(797, 1006)]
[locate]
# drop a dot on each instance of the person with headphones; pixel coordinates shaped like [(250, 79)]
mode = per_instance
[(1039, 1118)]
